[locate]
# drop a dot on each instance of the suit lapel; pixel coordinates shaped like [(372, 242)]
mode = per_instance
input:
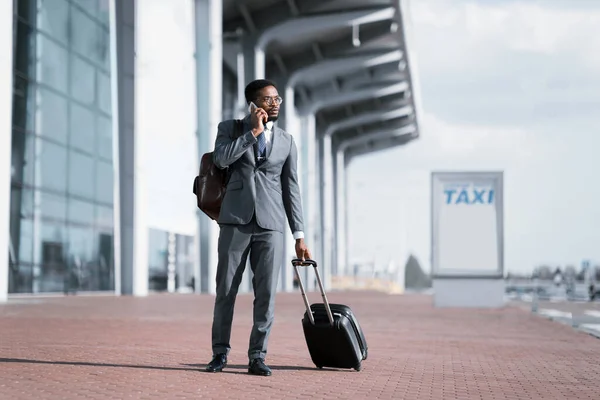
[(274, 139)]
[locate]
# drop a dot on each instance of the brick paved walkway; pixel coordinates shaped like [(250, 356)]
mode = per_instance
[(153, 348)]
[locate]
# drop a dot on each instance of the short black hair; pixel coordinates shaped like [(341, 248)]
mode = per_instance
[(254, 87)]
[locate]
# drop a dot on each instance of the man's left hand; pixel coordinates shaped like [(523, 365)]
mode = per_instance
[(301, 250)]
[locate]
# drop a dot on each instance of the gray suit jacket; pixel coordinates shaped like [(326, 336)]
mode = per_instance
[(268, 188)]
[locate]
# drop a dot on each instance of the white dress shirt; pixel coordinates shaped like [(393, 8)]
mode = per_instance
[(268, 132)]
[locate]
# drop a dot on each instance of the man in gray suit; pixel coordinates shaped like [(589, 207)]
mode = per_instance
[(262, 190)]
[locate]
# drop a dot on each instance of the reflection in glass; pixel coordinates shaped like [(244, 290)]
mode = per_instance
[(52, 67), (21, 224), (20, 279), (104, 92), (82, 268), (104, 182), (24, 56), (82, 128), (49, 252), (53, 18), (81, 212), (61, 218), (23, 104), (90, 7), (51, 206), (106, 265), (104, 11), (82, 81), (105, 138), (86, 40), (51, 115), (21, 202), (52, 162), (104, 48), (81, 175), (25, 245), (23, 157), (104, 217)]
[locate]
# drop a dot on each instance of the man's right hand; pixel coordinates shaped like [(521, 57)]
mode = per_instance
[(258, 118)]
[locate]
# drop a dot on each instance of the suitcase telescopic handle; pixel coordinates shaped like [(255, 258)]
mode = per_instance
[(298, 262)]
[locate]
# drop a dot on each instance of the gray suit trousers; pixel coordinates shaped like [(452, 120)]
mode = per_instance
[(265, 248)]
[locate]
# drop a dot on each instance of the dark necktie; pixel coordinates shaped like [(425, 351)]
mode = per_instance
[(262, 145)]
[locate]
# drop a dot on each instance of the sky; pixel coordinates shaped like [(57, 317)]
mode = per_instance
[(505, 85), (509, 85)]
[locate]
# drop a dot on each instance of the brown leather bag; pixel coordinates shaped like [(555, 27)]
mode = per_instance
[(211, 183)]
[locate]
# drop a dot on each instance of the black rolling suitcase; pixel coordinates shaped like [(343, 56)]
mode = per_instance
[(333, 335)]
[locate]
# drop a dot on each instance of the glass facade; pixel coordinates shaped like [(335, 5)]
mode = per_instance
[(61, 222), (182, 255)]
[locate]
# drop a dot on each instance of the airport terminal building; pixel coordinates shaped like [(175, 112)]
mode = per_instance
[(71, 215)]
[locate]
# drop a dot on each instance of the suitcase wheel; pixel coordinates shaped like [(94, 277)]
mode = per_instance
[(358, 366), (320, 366)]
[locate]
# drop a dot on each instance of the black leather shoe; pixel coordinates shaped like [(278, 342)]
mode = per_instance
[(217, 364), (258, 367)]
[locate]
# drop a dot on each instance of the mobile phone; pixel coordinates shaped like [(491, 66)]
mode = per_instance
[(252, 107)]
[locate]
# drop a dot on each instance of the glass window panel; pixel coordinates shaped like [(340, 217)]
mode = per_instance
[(81, 212), (51, 115), (20, 279), (83, 266), (90, 6), (23, 103), (51, 166), (21, 203), (22, 160), (21, 225), (104, 11), (104, 92), (81, 175), (26, 9), (24, 248), (81, 243), (50, 205), (106, 266), (50, 243), (51, 263), (104, 48), (24, 49), (105, 143), (86, 34), (53, 18), (82, 128), (104, 182), (52, 67), (82, 81), (104, 216)]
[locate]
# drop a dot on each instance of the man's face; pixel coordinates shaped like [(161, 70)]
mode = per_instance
[(268, 99)]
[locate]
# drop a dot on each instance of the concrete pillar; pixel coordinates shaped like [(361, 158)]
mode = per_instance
[(292, 125), (259, 63), (6, 76), (341, 213), (209, 78), (131, 232), (306, 170), (328, 244)]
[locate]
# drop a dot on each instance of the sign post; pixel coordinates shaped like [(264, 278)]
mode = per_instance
[(467, 246)]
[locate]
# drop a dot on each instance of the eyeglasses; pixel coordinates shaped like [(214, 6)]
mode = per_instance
[(272, 100)]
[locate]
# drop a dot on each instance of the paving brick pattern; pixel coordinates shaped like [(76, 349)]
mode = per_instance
[(155, 348)]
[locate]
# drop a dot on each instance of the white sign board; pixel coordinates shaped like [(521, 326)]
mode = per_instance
[(467, 224)]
